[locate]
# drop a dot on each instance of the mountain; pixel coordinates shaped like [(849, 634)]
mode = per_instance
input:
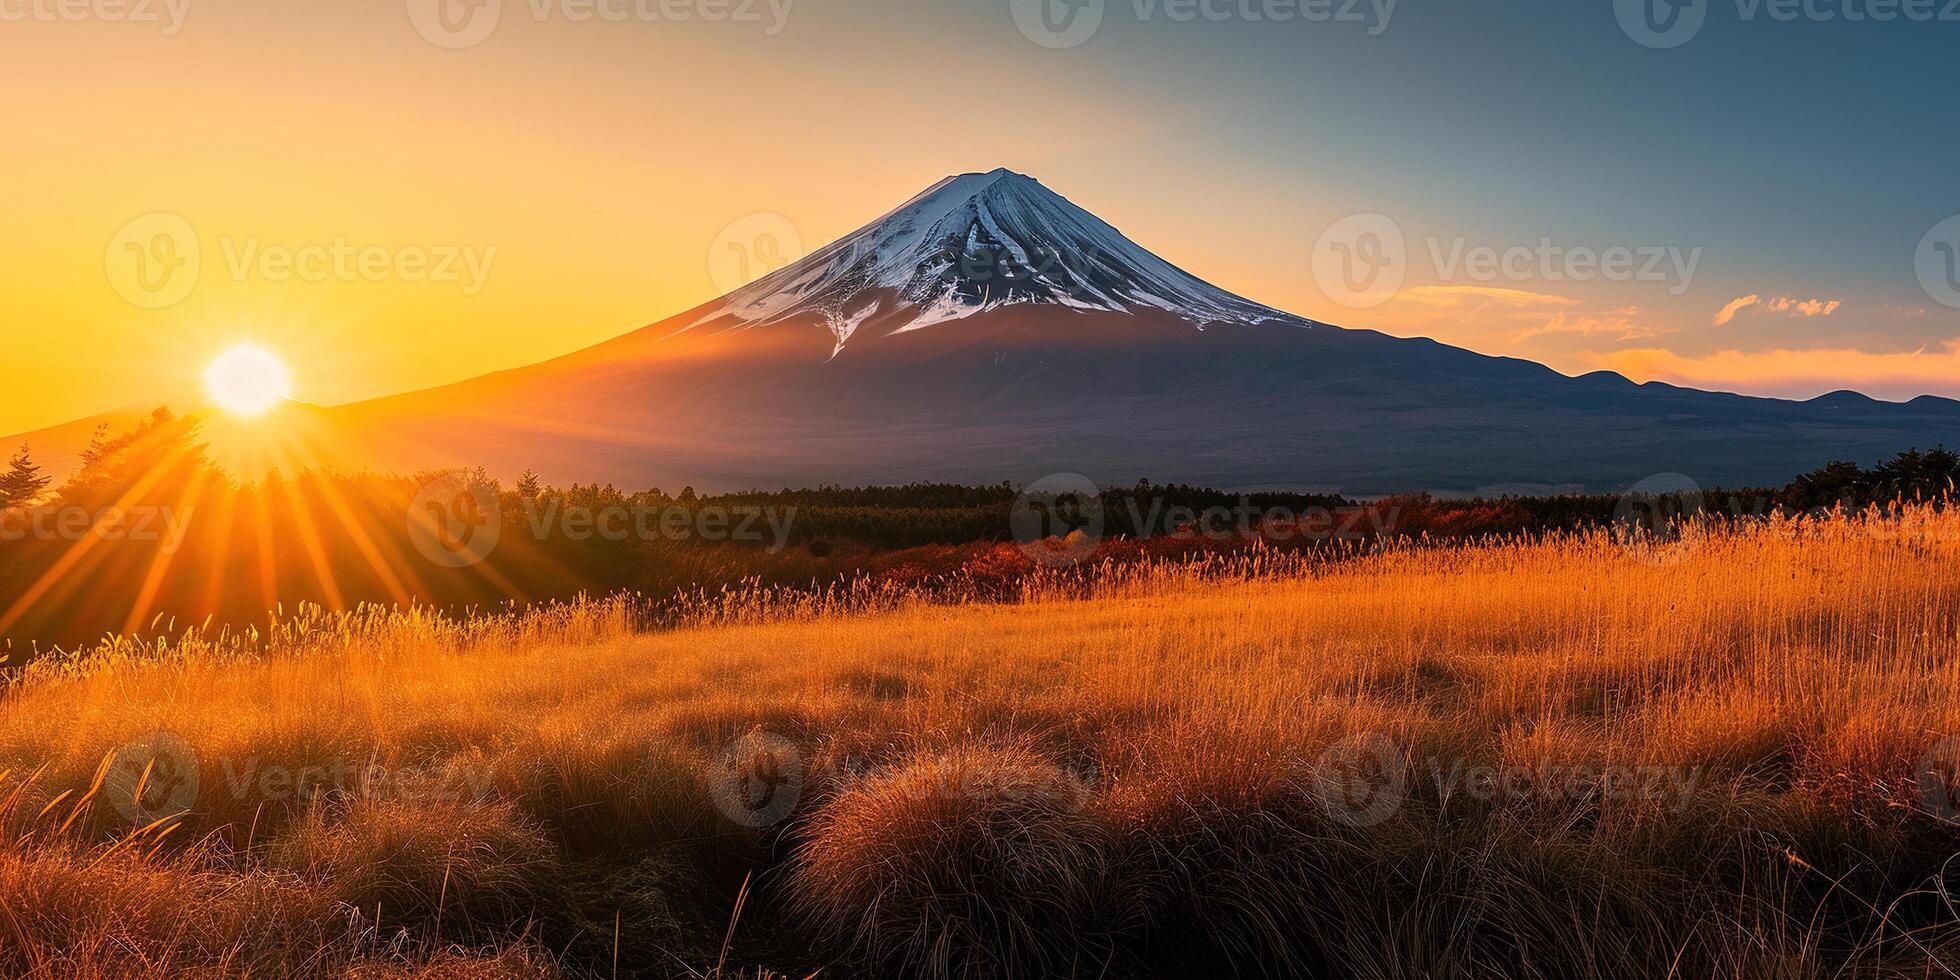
[(972, 244), (988, 329)]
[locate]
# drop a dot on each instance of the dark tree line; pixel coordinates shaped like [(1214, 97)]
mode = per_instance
[(1911, 475)]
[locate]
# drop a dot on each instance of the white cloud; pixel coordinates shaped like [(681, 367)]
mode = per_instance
[(1735, 306), (1785, 305)]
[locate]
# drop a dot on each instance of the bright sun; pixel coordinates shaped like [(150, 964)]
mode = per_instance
[(248, 380)]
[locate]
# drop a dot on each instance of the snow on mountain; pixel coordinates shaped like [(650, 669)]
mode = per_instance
[(979, 242)]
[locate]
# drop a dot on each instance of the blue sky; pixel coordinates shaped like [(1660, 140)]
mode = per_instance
[(1806, 158)]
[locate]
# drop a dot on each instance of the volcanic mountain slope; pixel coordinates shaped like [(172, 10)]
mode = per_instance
[(979, 242), (988, 329)]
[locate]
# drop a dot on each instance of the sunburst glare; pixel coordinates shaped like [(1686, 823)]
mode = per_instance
[(248, 380)]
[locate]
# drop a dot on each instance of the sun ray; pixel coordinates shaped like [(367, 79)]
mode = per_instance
[(210, 596), (363, 542), (46, 584), (268, 552), (310, 541), (166, 556)]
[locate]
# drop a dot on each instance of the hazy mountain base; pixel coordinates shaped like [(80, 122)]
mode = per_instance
[(1022, 393)]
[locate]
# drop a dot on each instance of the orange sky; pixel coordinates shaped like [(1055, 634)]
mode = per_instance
[(590, 171)]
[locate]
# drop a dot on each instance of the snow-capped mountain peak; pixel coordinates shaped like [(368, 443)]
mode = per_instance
[(976, 242)]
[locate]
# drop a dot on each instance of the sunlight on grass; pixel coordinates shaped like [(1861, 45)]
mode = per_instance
[(1126, 764)]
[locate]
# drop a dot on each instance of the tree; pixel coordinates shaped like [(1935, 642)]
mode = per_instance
[(1839, 482), (1911, 475), (23, 483), (529, 486), (1916, 475), (98, 447), (153, 462)]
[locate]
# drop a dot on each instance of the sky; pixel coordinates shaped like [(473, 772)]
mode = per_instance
[(393, 195)]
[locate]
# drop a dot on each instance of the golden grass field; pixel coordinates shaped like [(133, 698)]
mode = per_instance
[(1566, 758)]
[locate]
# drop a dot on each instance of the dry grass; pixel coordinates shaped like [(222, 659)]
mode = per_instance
[(962, 863), (1602, 759)]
